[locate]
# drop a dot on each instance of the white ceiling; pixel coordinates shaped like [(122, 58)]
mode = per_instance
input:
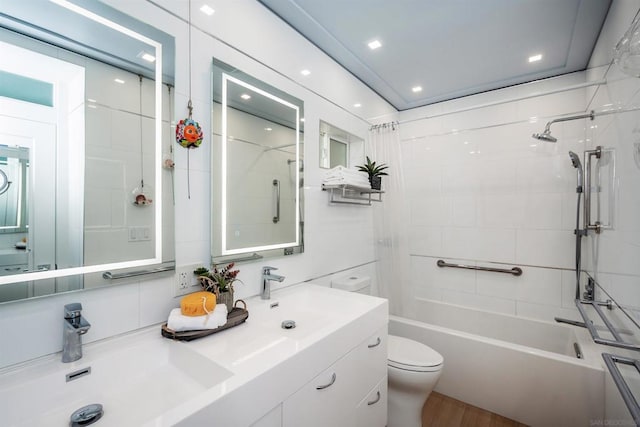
[(450, 48)]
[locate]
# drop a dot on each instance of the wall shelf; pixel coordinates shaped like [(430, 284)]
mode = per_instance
[(352, 195)]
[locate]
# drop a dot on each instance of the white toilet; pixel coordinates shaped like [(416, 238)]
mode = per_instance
[(413, 368), (413, 371)]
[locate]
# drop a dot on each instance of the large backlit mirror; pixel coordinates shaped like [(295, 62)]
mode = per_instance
[(85, 102), (257, 166)]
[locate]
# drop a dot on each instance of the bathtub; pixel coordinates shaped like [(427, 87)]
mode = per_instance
[(523, 369)]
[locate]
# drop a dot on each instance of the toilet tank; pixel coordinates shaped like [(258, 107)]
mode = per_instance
[(359, 284)]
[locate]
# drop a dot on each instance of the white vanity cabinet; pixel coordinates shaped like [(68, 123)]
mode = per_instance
[(351, 392)]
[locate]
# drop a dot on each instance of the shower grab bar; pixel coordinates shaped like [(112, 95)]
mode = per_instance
[(617, 341), (276, 184), (107, 275), (588, 155), (627, 395), (516, 271)]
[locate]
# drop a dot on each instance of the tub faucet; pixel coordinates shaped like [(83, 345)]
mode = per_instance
[(266, 281), (74, 327)]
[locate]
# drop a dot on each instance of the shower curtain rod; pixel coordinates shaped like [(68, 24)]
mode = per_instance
[(392, 125)]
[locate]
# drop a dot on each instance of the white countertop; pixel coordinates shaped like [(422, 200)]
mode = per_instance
[(229, 378)]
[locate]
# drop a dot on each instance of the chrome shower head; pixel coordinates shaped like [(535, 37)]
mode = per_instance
[(575, 161), (546, 135)]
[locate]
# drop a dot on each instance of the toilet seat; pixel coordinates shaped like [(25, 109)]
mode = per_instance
[(410, 355)]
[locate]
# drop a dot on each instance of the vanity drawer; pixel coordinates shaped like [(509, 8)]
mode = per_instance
[(370, 364), (332, 398), (372, 410)]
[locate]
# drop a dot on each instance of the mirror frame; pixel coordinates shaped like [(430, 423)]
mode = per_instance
[(158, 89), (219, 252)]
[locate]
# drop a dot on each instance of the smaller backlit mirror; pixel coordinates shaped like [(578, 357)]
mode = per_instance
[(339, 147), (257, 168)]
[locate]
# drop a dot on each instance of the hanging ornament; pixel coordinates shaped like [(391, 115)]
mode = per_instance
[(141, 195), (188, 131)]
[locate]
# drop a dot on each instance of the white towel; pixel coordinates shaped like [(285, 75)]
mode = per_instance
[(341, 175), (179, 322)]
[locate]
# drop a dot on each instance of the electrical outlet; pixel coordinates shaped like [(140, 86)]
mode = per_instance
[(186, 281)]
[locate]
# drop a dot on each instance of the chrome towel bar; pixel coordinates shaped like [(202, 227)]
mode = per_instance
[(627, 395), (107, 275), (516, 271)]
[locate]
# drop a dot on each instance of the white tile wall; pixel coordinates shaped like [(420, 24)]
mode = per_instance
[(495, 195)]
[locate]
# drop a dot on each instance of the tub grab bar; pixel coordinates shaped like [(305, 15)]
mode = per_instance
[(627, 395), (516, 271), (617, 341)]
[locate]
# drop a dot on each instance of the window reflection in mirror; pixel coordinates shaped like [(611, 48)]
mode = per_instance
[(339, 147), (257, 164)]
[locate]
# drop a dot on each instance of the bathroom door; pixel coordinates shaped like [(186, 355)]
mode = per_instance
[(40, 139)]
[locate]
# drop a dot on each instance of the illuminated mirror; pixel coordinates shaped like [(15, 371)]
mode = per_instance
[(84, 117), (257, 167)]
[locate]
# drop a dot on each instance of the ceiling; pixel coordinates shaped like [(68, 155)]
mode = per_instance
[(448, 48)]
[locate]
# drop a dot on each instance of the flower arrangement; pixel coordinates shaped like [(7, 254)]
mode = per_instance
[(218, 280)]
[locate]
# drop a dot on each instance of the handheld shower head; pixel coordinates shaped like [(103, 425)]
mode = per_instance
[(575, 161)]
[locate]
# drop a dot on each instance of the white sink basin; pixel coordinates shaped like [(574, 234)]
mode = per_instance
[(144, 377)]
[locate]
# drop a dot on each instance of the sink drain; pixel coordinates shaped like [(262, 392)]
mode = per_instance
[(288, 324), (87, 415)]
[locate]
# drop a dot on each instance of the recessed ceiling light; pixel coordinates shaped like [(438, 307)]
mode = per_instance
[(119, 81), (416, 89), (305, 72), (535, 58), (302, 120), (245, 96), (268, 129), (146, 56), (91, 100), (373, 45), (207, 10), (357, 105)]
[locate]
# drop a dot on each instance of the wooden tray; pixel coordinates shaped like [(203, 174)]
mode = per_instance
[(237, 316)]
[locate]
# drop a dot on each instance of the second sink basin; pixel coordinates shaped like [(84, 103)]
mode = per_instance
[(143, 378)]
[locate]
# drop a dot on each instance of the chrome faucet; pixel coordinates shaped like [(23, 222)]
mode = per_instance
[(266, 281), (74, 327)]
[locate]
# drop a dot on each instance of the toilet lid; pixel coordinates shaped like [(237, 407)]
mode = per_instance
[(404, 353)]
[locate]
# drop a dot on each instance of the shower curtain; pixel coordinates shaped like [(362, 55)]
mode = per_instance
[(391, 219)]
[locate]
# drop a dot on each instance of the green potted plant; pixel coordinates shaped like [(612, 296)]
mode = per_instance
[(375, 172), (219, 281)]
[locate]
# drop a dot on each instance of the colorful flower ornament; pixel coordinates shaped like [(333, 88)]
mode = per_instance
[(189, 133)]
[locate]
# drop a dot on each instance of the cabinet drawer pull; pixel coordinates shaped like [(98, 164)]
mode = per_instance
[(376, 400), (376, 344), (333, 380)]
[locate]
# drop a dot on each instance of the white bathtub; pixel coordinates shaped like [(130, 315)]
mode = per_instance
[(523, 369)]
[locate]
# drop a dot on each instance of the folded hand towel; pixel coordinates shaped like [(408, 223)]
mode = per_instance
[(180, 323), (341, 175)]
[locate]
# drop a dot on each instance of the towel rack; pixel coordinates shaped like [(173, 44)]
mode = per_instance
[(107, 275), (627, 395), (516, 271), (352, 195), (617, 340)]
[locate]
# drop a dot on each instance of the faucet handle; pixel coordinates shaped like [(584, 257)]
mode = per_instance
[(71, 311), (267, 270)]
